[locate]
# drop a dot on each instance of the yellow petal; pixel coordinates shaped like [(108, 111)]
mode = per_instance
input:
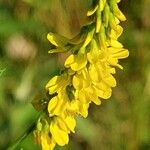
[(76, 82), (110, 80), (52, 39), (104, 94), (80, 62), (70, 122), (102, 4), (92, 11), (115, 43), (116, 33), (83, 109), (73, 107), (96, 101), (112, 70), (57, 105), (69, 60), (92, 95), (117, 21), (81, 79), (106, 15), (57, 50), (119, 30), (113, 21), (53, 81), (76, 62), (94, 53), (54, 84), (57, 40), (52, 105), (60, 136), (120, 15), (82, 97), (121, 54), (94, 73), (47, 143), (57, 83), (61, 124), (102, 38), (112, 61), (103, 90), (107, 94), (98, 20)]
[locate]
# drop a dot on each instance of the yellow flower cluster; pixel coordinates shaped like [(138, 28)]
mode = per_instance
[(88, 74)]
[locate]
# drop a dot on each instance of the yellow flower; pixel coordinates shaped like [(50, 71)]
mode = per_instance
[(73, 107), (59, 135), (83, 109), (42, 135), (60, 127), (95, 53), (88, 73), (85, 93), (88, 95), (57, 84), (76, 107), (116, 53), (57, 105), (103, 90), (81, 79), (47, 142), (114, 34), (76, 62), (101, 72)]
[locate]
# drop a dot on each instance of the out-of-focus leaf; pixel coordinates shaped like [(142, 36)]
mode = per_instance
[(86, 129), (1, 71)]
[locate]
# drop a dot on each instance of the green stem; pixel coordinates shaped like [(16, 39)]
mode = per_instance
[(22, 137), (14, 145)]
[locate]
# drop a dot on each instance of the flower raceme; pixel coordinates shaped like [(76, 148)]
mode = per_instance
[(87, 76)]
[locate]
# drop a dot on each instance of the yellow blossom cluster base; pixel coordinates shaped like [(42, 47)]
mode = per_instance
[(88, 74)]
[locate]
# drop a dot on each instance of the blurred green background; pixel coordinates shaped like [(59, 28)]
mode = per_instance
[(120, 123)]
